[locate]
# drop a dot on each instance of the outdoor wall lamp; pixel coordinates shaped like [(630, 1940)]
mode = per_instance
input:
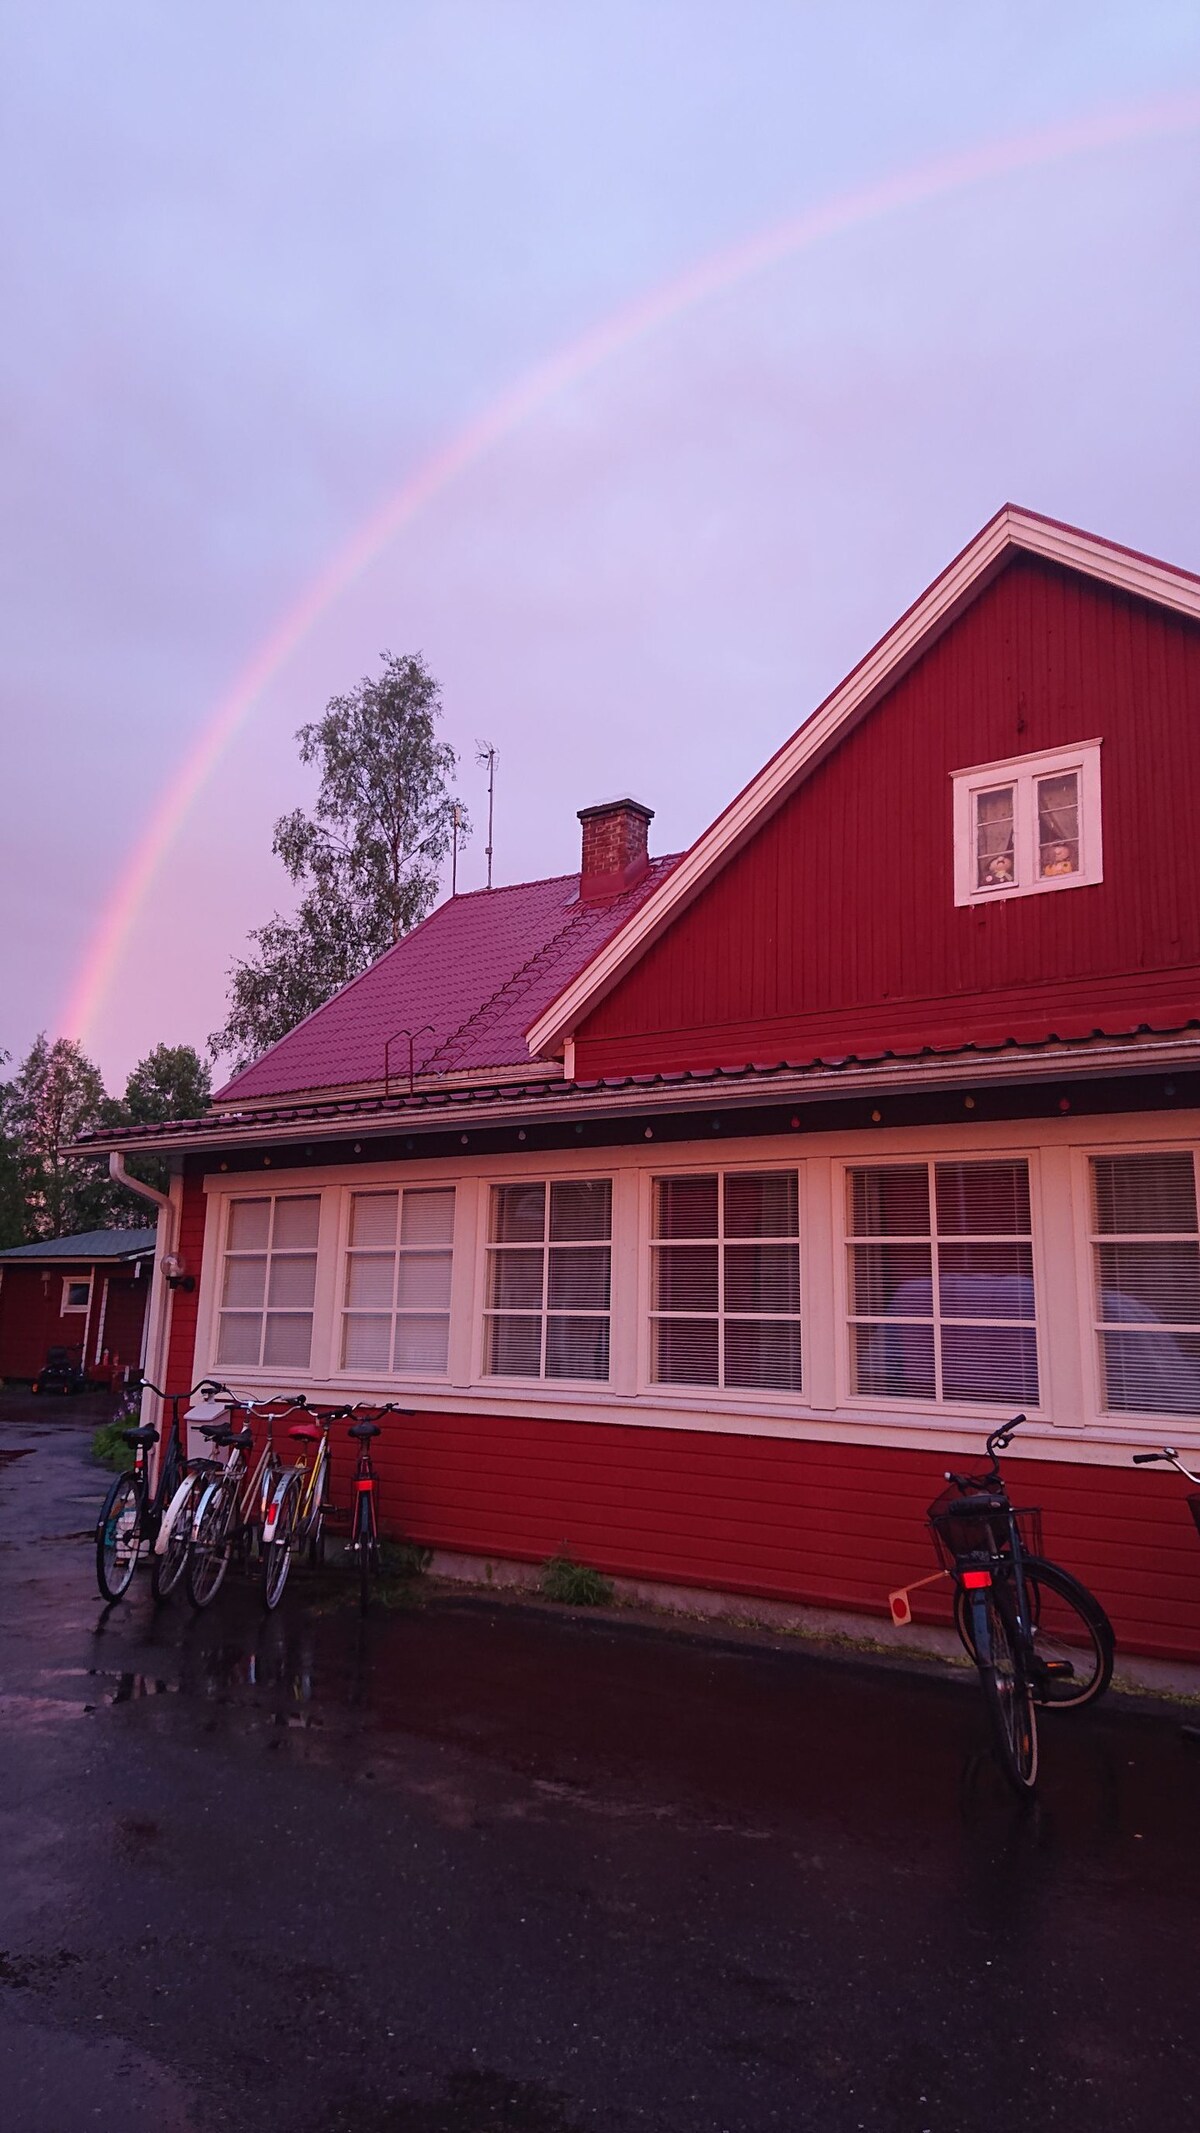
[(177, 1274)]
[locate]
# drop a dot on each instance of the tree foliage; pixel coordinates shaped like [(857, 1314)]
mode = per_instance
[(12, 1198), (366, 859), (46, 1189), (172, 1081), (57, 1094)]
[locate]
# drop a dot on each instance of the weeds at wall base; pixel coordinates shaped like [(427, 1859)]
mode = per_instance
[(575, 1585)]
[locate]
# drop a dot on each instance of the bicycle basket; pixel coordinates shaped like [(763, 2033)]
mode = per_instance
[(958, 1532), (1194, 1508)]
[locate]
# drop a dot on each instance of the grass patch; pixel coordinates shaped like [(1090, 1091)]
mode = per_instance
[(403, 1559), (575, 1584), (109, 1447)]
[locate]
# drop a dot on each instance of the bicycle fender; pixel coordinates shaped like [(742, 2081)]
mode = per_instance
[(981, 1628), (285, 1484), (170, 1517)]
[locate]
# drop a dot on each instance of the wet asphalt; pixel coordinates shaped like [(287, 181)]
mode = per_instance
[(472, 1866)]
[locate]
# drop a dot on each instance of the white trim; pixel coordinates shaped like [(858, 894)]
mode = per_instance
[(1023, 774), (100, 1321), (1011, 531)]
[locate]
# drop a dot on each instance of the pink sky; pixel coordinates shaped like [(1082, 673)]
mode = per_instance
[(264, 282)]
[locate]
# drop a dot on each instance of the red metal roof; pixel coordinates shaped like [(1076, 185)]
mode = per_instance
[(475, 972), (1097, 1055)]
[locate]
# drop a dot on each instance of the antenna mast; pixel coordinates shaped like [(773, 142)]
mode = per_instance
[(455, 826), (485, 752)]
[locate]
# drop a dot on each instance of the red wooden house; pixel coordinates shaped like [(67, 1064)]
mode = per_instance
[(733, 1196)]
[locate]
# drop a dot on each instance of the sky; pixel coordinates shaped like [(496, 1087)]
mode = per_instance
[(447, 327)]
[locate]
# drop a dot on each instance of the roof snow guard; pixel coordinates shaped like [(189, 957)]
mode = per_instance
[(1012, 531)]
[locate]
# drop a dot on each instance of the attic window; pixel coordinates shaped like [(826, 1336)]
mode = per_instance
[(1028, 826)]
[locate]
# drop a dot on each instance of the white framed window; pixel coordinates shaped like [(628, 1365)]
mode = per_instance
[(395, 1309), (1028, 826), (76, 1294), (940, 1282), (725, 1280), (1145, 1247), (268, 1280), (548, 1289)]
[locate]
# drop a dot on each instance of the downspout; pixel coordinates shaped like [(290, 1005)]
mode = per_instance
[(120, 1176), (160, 1299)]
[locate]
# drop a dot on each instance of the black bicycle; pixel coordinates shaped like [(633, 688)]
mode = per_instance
[(1039, 1638), (135, 1506)]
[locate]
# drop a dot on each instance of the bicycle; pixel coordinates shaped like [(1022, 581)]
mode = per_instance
[(1168, 1456), (297, 1513), (1039, 1638), (135, 1510), (229, 1504), (364, 1529)]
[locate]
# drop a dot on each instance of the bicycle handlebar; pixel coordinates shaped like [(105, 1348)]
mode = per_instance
[(1167, 1457)]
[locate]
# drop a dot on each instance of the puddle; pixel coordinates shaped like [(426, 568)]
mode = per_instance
[(7, 1458)]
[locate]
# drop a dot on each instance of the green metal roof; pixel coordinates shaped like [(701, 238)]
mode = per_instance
[(89, 1244)]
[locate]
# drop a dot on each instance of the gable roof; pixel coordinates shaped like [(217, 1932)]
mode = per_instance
[(1012, 531), (466, 982), (106, 1244)]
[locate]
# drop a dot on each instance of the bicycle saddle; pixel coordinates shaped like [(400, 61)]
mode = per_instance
[(224, 1433), (145, 1435), (309, 1431), (363, 1430)]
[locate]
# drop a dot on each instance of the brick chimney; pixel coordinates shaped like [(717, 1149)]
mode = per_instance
[(615, 854)]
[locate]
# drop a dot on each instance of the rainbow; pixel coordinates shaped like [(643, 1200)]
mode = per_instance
[(709, 277)]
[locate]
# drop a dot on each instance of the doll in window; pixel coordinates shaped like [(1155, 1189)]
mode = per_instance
[(1058, 859), (998, 873)]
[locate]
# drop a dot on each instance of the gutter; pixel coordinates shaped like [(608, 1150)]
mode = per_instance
[(725, 1090)]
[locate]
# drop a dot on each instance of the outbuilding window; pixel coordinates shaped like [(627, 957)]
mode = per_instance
[(940, 1283), (1029, 825), (76, 1294), (549, 1280), (725, 1280), (268, 1281), (1146, 1282)]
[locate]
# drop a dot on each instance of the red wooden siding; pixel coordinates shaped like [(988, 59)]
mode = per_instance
[(829, 1525), (835, 929)]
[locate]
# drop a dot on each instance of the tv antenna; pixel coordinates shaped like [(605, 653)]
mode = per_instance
[(485, 752), (456, 823)]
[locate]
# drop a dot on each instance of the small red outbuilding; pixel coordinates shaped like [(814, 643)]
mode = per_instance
[(85, 1293)]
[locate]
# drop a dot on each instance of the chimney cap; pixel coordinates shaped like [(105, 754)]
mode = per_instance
[(612, 807)]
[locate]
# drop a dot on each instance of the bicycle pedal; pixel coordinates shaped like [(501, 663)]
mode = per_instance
[(1057, 1669)]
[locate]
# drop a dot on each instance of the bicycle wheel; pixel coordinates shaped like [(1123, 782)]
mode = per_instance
[(212, 1544), (1072, 1635), (168, 1564), (277, 1552), (119, 1535), (1006, 1689)]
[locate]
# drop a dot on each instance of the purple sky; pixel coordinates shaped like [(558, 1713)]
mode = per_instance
[(260, 262)]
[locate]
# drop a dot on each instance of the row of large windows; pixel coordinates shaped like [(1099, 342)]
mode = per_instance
[(941, 1303)]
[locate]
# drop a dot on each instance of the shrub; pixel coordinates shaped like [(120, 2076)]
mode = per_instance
[(574, 1584), (403, 1559), (110, 1448)]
